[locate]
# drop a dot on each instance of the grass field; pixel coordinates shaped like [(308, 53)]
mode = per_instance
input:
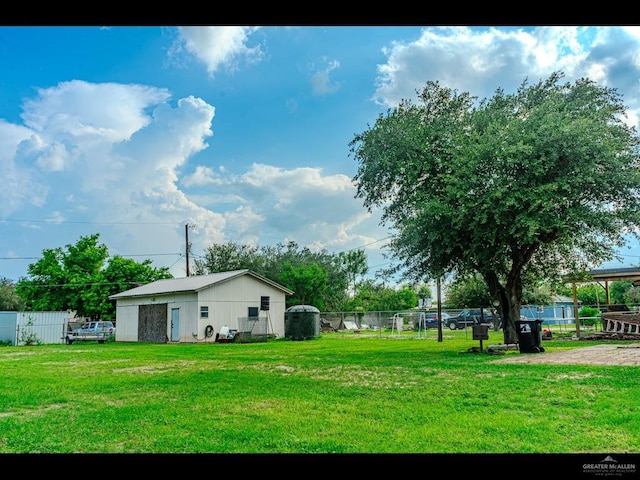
[(340, 393)]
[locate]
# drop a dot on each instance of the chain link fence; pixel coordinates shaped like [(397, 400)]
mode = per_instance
[(559, 317)]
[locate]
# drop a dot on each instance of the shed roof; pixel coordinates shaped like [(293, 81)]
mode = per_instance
[(194, 283), (562, 299)]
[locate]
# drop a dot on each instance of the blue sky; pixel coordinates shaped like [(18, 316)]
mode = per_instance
[(240, 132)]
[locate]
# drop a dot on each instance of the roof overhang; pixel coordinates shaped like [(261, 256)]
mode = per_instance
[(605, 275)]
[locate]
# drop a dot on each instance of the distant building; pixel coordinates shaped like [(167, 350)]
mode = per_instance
[(560, 311), (196, 308)]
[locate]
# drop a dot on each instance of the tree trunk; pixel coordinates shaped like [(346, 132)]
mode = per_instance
[(509, 326), (513, 303), (509, 298)]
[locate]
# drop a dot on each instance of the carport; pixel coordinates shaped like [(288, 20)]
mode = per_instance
[(602, 277)]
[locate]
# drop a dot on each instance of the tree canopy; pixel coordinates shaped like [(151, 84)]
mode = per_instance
[(81, 278), (538, 182), (317, 278)]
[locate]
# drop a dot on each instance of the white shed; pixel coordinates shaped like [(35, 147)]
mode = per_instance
[(196, 308)]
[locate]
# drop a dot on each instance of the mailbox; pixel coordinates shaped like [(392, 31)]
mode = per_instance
[(480, 332)]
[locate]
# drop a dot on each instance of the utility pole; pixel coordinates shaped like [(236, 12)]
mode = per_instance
[(186, 242)]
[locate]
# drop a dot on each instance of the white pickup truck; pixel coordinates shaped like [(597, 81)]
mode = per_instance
[(99, 331)]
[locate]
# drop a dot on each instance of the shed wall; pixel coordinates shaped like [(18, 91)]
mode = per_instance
[(229, 301), (188, 307)]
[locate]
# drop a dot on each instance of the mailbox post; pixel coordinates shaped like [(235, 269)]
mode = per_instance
[(480, 332)]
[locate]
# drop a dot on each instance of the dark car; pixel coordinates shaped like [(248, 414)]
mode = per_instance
[(467, 318), (428, 320)]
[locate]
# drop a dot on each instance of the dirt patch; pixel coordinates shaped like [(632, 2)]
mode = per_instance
[(606, 354)]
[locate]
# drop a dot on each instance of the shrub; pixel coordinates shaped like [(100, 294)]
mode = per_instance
[(27, 336), (591, 315)]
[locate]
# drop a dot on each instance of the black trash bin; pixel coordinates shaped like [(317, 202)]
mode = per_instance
[(529, 336)]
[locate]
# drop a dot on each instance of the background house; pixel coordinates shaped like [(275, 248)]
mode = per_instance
[(196, 308), (561, 311)]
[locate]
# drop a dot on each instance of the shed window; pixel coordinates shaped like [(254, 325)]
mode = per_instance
[(204, 312)]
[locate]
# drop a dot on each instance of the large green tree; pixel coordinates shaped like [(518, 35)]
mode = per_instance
[(308, 282), (81, 277), (540, 182)]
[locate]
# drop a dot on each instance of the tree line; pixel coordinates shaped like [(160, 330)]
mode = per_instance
[(81, 277)]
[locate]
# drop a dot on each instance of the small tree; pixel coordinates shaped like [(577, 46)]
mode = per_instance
[(354, 264), (308, 282), (620, 291), (468, 291), (591, 294)]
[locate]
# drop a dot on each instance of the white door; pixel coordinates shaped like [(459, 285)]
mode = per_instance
[(175, 324)]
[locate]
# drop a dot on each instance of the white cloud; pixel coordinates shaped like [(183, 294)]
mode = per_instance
[(267, 204), (201, 176), (472, 60), (83, 110), (110, 152), (19, 187), (217, 47), (479, 61), (130, 175), (320, 82)]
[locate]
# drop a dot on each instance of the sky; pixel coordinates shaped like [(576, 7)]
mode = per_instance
[(149, 135)]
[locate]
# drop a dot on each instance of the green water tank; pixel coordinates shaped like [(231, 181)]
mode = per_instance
[(302, 322)]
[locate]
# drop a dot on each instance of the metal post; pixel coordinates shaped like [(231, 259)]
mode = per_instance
[(439, 310), (575, 310)]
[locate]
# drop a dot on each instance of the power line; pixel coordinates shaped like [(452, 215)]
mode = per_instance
[(61, 222), (33, 284), (118, 254)]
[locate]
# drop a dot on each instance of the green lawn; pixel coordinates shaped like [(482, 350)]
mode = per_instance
[(340, 393)]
